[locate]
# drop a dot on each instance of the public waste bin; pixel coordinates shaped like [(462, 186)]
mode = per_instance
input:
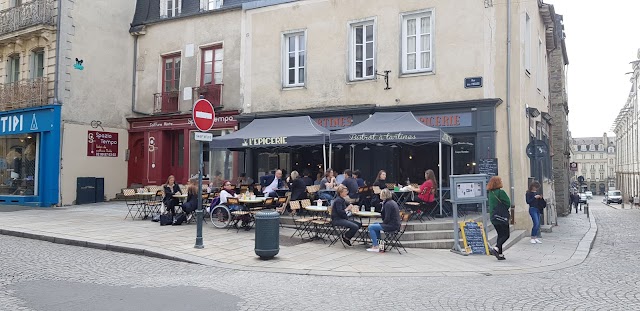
[(267, 234)]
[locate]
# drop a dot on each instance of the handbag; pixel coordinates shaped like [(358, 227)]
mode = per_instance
[(500, 212), (166, 219)]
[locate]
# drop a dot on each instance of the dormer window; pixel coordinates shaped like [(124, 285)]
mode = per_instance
[(601, 147), (209, 5), (583, 147), (170, 8), (592, 147)]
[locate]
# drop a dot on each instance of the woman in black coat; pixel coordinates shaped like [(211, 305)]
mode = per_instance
[(171, 188), (297, 187), (339, 216), (390, 220)]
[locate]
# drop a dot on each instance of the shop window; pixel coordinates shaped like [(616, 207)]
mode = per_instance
[(270, 161), (219, 164), (18, 164), (417, 42), (362, 51), (464, 158)]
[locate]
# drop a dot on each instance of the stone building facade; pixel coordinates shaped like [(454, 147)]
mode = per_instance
[(596, 162), (627, 131), (333, 59), (63, 85), (561, 146)]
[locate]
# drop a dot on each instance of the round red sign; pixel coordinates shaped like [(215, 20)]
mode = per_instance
[(203, 115)]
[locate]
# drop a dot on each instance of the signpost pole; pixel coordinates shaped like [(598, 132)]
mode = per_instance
[(199, 211)]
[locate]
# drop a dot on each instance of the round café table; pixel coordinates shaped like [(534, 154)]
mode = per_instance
[(364, 233), (317, 211)]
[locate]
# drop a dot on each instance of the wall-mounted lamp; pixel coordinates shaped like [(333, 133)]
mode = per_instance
[(366, 148)]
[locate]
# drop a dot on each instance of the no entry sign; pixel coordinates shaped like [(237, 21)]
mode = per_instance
[(203, 115)]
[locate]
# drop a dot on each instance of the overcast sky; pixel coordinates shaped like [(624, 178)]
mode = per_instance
[(602, 39)]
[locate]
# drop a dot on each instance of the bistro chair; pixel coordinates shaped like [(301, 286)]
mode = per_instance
[(155, 204), (376, 190), (312, 192), (392, 239), (238, 216), (334, 233), (391, 186), (300, 223), (133, 203)]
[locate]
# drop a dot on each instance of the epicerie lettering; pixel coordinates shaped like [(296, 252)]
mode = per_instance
[(266, 141)]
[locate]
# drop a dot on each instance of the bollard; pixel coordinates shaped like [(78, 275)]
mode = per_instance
[(267, 239), (586, 210)]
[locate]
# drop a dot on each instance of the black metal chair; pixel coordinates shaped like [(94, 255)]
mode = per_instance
[(392, 239)]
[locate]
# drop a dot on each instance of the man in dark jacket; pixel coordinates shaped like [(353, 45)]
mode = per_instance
[(352, 185), (270, 183)]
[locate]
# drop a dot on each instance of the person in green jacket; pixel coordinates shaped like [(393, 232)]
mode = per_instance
[(497, 195)]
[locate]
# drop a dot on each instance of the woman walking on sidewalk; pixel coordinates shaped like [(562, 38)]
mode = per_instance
[(532, 197), (498, 199)]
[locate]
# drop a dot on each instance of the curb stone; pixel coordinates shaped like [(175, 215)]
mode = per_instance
[(580, 254)]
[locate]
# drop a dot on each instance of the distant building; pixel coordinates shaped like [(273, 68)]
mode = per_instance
[(596, 162)]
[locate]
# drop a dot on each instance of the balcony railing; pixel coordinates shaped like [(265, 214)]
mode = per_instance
[(23, 94), (211, 92), (36, 12), (166, 102)]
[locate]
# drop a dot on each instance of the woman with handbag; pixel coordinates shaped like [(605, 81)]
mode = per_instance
[(499, 204)]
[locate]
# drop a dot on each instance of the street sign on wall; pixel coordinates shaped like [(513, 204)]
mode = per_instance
[(203, 115), (102, 144)]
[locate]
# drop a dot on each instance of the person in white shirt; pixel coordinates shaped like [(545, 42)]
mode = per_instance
[(226, 193), (270, 183)]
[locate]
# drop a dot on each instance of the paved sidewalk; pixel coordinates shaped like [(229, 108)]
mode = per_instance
[(103, 226)]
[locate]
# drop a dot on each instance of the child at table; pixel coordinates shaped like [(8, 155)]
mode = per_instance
[(390, 219)]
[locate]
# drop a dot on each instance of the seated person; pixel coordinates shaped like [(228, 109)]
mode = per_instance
[(244, 180), (318, 180), (270, 183), (191, 204), (216, 182), (228, 192), (339, 215), (390, 220), (327, 183), (297, 187), (308, 181), (352, 185), (171, 188), (339, 177), (357, 175), (427, 191), (381, 182)]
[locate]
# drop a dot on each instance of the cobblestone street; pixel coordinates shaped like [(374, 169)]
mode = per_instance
[(38, 275)]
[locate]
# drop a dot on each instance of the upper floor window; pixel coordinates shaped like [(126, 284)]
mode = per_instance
[(15, 3), (294, 59), (541, 71), (171, 73), (592, 147), (170, 8), (601, 156), (417, 42), (583, 147), (212, 58), (37, 64), (601, 147), (592, 156), (527, 43), (213, 4), (362, 51), (14, 68)]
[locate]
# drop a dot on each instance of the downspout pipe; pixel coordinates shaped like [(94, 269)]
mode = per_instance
[(508, 101), (135, 77), (56, 100)]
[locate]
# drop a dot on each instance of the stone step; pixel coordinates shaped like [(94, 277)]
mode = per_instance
[(447, 243)]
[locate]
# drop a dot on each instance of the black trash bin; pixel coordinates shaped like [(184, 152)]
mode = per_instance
[(267, 234)]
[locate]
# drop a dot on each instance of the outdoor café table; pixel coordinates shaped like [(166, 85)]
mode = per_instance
[(364, 233), (248, 202), (402, 196), (317, 211)]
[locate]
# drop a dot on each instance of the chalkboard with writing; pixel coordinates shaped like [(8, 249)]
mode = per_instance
[(488, 166), (475, 241)]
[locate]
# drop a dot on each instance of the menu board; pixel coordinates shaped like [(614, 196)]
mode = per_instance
[(474, 238), (469, 190), (488, 166)]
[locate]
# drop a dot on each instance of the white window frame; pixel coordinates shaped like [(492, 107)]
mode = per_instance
[(297, 52), (540, 73), (404, 42), (34, 63), (209, 5), (527, 43), (164, 8), (11, 68), (353, 45)]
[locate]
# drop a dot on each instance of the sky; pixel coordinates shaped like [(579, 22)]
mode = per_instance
[(602, 38)]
